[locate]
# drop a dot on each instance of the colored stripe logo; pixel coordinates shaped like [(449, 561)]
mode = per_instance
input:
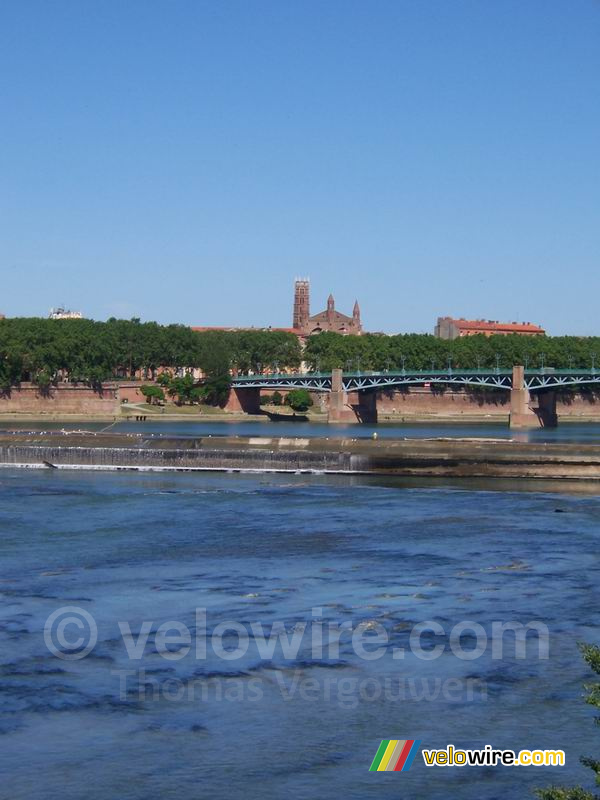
[(395, 755)]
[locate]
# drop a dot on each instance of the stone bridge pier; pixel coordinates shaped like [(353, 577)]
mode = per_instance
[(524, 413)]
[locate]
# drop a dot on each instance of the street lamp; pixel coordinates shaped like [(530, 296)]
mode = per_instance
[(570, 362), (403, 359), (449, 364), (497, 363), (432, 364)]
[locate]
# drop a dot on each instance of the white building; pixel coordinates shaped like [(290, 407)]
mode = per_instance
[(64, 313)]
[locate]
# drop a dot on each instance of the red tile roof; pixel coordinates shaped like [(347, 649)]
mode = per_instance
[(491, 325)]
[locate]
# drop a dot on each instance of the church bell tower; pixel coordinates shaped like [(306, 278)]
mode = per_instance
[(301, 303)]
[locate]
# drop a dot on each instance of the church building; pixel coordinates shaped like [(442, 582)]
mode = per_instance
[(328, 320)]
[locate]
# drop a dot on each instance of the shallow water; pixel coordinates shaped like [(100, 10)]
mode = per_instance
[(289, 549), (567, 432)]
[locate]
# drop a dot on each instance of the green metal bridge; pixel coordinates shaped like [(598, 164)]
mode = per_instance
[(534, 379)]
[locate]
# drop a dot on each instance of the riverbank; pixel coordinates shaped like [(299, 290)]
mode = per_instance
[(171, 414), (456, 419), (481, 458), (232, 416), (120, 400), (37, 420)]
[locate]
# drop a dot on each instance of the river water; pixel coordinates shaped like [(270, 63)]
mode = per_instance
[(199, 550), (567, 432)]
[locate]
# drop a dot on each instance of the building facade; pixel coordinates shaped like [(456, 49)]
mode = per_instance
[(328, 320), (450, 328), (64, 313)]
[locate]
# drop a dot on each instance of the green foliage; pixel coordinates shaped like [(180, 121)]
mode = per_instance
[(164, 379), (591, 655), (215, 390), (182, 389), (152, 393), (81, 350), (11, 369), (275, 399), (299, 400), (44, 380), (423, 352), (556, 793)]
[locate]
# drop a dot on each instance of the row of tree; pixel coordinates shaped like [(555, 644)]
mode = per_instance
[(46, 351), (80, 350), (214, 390), (423, 352)]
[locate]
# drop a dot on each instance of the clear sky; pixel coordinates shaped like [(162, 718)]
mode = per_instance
[(184, 161)]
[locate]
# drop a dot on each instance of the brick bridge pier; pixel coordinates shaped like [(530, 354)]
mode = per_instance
[(354, 406), (524, 413)]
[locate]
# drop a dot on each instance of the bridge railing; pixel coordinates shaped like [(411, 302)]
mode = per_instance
[(425, 373)]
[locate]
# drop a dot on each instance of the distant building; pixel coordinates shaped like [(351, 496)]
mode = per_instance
[(63, 313), (328, 320), (450, 328), (234, 329)]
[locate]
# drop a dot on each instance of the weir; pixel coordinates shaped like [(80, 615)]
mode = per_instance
[(249, 458), (401, 457)]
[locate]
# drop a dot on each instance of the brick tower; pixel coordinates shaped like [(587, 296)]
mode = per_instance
[(301, 303)]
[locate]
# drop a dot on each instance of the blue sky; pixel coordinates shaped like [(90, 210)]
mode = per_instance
[(184, 161)]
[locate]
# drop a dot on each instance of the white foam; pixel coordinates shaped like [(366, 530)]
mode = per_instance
[(137, 468)]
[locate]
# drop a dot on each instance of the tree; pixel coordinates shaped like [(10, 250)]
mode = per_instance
[(164, 379), (216, 390), (182, 389), (275, 399), (11, 368), (299, 400), (82, 350), (44, 381), (591, 655), (152, 393)]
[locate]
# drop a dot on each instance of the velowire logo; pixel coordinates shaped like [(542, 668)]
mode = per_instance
[(395, 755)]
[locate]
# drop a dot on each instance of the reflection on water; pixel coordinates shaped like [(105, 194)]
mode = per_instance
[(567, 432), (270, 548)]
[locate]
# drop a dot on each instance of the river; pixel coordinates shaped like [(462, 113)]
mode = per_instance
[(579, 432), (130, 549)]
